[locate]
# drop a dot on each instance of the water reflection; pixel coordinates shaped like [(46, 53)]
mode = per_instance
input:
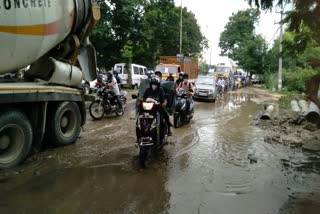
[(219, 176), (102, 187)]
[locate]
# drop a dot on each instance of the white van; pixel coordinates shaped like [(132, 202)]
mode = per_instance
[(138, 72)]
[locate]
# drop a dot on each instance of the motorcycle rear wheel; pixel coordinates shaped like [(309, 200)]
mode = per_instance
[(177, 120), (119, 112), (96, 110)]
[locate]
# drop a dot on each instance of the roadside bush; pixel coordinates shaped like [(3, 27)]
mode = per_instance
[(271, 81), (295, 79)]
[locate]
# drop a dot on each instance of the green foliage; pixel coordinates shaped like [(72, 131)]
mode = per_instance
[(150, 28), (239, 42), (303, 19), (271, 80), (203, 67), (295, 79)]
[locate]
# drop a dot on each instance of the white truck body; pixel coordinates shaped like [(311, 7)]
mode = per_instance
[(27, 33)]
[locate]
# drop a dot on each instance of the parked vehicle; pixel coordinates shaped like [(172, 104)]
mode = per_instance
[(107, 103), (151, 129), (205, 88), (182, 114), (138, 72)]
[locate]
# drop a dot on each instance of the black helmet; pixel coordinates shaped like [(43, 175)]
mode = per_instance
[(155, 80), (158, 73), (185, 76), (109, 77)]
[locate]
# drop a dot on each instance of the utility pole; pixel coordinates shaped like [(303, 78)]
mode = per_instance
[(181, 28), (210, 52), (280, 50)]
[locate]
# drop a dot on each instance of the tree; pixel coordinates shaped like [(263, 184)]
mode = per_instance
[(239, 42), (203, 67), (303, 19), (150, 27)]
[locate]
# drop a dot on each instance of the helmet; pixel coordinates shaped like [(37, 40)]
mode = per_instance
[(109, 77), (185, 76), (158, 73), (150, 73), (181, 75), (155, 80)]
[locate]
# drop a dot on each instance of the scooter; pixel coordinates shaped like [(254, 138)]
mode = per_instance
[(151, 129), (182, 114)]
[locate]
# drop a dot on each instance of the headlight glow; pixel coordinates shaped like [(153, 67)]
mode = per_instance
[(147, 106)]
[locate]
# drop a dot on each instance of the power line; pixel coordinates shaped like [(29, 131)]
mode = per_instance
[(274, 35)]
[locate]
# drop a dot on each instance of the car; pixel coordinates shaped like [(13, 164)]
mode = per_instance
[(205, 88)]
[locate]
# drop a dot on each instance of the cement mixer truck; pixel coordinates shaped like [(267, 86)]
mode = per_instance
[(44, 45)]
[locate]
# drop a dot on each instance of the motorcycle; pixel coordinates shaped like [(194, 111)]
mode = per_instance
[(151, 129), (107, 103), (182, 114)]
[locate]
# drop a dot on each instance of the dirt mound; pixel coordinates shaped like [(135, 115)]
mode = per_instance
[(289, 128)]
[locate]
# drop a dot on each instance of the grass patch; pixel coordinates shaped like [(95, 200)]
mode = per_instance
[(284, 101)]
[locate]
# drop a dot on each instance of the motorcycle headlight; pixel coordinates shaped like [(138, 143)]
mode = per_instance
[(147, 106)]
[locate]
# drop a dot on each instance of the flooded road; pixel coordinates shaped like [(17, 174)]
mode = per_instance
[(219, 163)]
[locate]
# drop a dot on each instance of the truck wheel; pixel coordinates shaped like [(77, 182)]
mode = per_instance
[(87, 89), (64, 126), (15, 138)]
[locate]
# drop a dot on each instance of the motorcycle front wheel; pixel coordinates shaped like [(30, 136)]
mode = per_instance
[(96, 110), (143, 154)]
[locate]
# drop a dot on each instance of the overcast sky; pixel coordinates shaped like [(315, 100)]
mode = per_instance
[(213, 15)]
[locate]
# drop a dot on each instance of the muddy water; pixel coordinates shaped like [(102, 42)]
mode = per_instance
[(218, 163)]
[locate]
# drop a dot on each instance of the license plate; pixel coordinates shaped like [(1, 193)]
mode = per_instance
[(203, 94)]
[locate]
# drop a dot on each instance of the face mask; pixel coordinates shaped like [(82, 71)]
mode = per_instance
[(154, 87)]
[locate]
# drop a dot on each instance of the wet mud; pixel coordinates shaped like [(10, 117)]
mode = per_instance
[(218, 163)]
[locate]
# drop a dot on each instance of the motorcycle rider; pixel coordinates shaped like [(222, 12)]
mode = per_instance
[(118, 78), (150, 74), (170, 78), (159, 74), (113, 86), (221, 83), (157, 93), (180, 78), (188, 87)]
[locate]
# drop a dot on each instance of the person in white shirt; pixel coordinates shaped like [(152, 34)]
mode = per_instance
[(113, 86)]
